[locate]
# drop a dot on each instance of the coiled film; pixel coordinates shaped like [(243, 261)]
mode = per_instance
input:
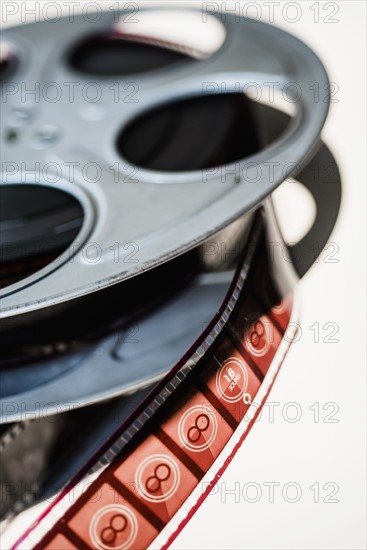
[(149, 480)]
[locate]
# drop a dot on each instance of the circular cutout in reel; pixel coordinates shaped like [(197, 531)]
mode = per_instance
[(37, 224), (110, 56), (136, 45), (191, 134)]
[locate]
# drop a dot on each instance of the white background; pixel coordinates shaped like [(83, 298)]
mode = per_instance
[(308, 452)]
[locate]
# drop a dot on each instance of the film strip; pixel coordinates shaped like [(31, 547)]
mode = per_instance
[(159, 466)]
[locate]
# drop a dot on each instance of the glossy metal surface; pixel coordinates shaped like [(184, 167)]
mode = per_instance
[(162, 213)]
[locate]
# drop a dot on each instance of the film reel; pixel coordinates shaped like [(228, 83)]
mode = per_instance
[(186, 209), (159, 198), (68, 341)]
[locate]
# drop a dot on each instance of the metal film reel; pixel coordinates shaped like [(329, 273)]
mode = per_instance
[(180, 184), (53, 353), (163, 211)]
